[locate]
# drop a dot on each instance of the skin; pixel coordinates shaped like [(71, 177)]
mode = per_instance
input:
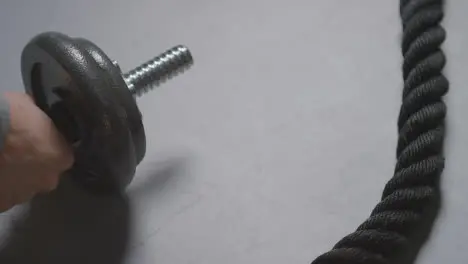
[(34, 156)]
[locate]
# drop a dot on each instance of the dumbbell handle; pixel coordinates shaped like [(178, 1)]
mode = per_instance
[(157, 70)]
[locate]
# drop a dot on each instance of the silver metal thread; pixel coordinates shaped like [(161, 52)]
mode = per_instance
[(158, 70)]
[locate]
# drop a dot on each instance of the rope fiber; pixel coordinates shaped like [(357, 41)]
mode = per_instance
[(413, 190)]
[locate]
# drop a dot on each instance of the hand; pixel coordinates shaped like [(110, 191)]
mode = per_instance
[(34, 154)]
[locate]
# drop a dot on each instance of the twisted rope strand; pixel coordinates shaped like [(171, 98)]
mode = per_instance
[(420, 161)]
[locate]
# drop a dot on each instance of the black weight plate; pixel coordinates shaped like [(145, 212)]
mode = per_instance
[(122, 93), (105, 155)]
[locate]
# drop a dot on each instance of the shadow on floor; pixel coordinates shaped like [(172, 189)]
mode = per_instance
[(71, 225)]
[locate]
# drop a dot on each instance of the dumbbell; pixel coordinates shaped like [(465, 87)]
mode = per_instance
[(92, 103)]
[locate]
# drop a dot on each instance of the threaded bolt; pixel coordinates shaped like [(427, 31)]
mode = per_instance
[(158, 70)]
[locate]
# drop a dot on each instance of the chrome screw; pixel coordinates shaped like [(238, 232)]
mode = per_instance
[(158, 70)]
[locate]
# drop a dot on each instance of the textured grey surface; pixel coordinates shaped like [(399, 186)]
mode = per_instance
[(275, 145)]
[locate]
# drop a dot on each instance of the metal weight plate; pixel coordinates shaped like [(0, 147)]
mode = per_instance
[(80, 95), (129, 110)]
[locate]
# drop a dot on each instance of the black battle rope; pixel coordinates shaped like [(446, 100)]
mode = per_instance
[(413, 189)]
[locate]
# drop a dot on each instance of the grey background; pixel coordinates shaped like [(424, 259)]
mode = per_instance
[(274, 146)]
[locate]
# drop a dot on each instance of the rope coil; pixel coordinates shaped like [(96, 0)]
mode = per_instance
[(413, 190)]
